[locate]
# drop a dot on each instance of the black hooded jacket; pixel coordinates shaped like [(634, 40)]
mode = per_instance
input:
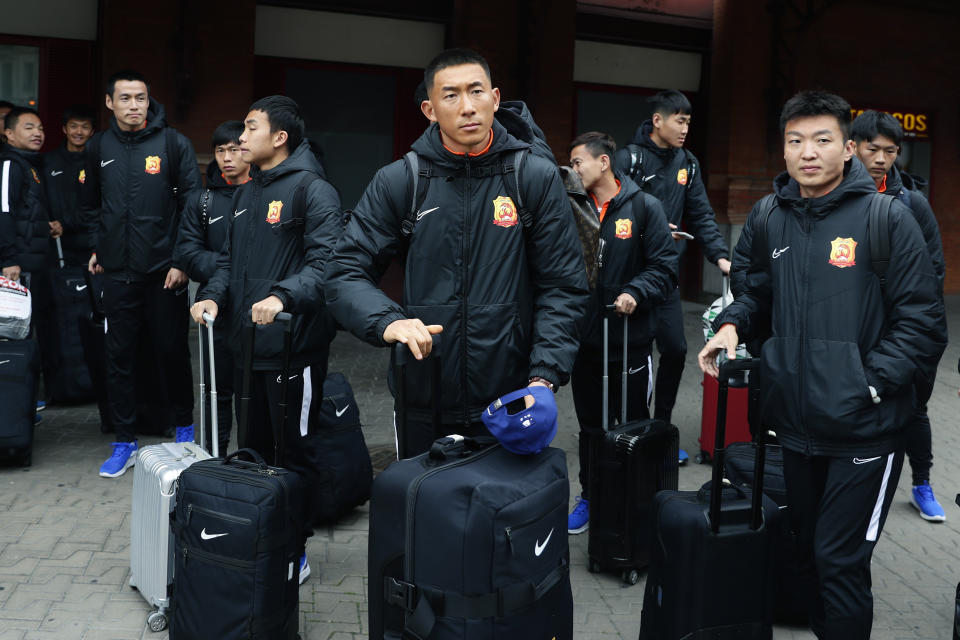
[(22, 198), (835, 331), (638, 257), (665, 176), (271, 249), (63, 176), (203, 226), (898, 184), (128, 197), (508, 297)]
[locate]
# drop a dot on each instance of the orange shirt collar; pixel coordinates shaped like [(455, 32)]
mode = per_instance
[(883, 185), (603, 209), (471, 154), (231, 184)]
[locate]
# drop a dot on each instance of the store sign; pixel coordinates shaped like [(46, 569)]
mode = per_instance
[(915, 125)]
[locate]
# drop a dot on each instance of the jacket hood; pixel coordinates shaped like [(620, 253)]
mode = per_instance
[(35, 158), (302, 159), (156, 120), (856, 182), (642, 138), (628, 189), (430, 145), (910, 182)]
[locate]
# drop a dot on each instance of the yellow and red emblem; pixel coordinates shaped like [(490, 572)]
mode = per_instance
[(623, 228), (36, 178), (682, 176), (843, 252), (83, 176), (152, 165), (504, 212), (273, 212)]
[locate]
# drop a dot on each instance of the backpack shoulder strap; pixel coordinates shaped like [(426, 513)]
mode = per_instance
[(511, 180), (761, 229), (691, 166), (905, 197), (204, 201), (173, 157), (878, 230), (636, 160), (420, 171), (300, 198)]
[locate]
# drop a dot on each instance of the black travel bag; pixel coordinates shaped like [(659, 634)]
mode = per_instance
[(71, 382), (19, 370), (711, 572), (469, 541), (238, 537), (629, 465)]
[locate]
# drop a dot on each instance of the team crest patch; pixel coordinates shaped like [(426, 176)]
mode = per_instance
[(36, 178), (273, 213), (83, 176), (504, 212), (843, 252), (623, 228), (152, 165), (682, 176)]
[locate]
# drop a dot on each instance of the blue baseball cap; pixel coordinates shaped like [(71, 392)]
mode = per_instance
[(527, 431)]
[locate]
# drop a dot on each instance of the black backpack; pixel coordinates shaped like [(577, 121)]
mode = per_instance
[(636, 165)]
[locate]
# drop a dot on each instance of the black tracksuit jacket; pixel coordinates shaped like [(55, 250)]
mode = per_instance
[(128, 200), (63, 171), (639, 257), (203, 226), (835, 333), (508, 297), (22, 198), (898, 183), (665, 176), (269, 252)]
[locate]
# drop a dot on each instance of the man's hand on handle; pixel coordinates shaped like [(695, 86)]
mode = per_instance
[(203, 306), (12, 272), (724, 266), (266, 310), (625, 304), (93, 266), (725, 340), (413, 333)]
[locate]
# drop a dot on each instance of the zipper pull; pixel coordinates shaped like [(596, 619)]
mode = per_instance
[(509, 533), (185, 550), (189, 515)]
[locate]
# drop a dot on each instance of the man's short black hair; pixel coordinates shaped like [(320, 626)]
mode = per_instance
[(6, 103), (227, 132), (284, 115), (453, 58), (13, 116), (78, 112), (870, 124), (596, 142), (131, 75), (816, 103), (669, 102)]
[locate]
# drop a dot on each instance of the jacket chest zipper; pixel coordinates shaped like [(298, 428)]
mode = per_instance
[(807, 228), (126, 227), (464, 243)]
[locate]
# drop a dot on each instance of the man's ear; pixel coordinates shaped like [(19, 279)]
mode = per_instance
[(496, 99), (108, 100), (280, 139), (427, 108), (657, 120), (849, 150)]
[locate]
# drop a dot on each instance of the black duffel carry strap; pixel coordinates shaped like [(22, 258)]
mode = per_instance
[(424, 605), (243, 419), (401, 358), (636, 165)]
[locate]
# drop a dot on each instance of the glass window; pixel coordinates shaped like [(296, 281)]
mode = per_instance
[(19, 74)]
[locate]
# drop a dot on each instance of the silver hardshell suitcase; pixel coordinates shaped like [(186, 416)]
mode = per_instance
[(154, 489)]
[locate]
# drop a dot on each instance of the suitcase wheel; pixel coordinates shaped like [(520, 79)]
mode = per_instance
[(594, 566), (631, 576), (157, 621)]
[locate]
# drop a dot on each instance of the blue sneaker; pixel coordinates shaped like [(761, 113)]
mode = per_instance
[(37, 419), (185, 434), (683, 457), (579, 519), (304, 568), (41, 405), (926, 503), (124, 456)]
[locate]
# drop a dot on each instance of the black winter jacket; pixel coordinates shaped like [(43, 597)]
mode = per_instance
[(203, 226), (273, 250), (665, 176), (898, 184), (23, 199), (128, 196), (508, 297), (63, 172), (639, 257), (835, 333)]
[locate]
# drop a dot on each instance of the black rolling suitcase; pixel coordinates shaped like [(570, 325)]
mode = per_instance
[(19, 370), (238, 530), (71, 302), (469, 541), (630, 464), (711, 571)]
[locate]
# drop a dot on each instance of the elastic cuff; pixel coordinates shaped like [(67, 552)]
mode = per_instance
[(547, 373), (385, 322), (283, 298)]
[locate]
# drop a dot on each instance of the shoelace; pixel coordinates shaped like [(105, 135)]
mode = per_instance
[(582, 505), (926, 492)]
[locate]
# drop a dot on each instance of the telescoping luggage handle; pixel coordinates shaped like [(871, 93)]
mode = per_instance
[(215, 425), (729, 369), (401, 358), (249, 338), (606, 373)]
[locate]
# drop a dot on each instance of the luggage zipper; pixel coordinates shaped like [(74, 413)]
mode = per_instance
[(216, 559), (216, 473), (215, 514)]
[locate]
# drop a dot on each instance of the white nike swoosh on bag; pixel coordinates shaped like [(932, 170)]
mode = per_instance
[(865, 460), (342, 411), (4, 361), (237, 213), (632, 371), (420, 214), (210, 536), (103, 164), (212, 220), (55, 173), (80, 287), (538, 548), (778, 252)]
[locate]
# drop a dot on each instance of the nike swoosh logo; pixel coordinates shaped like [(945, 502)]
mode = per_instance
[(55, 173), (778, 252), (420, 214), (237, 213), (103, 164), (865, 460), (212, 220), (80, 287), (538, 548), (4, 361), (631, 370), (649, 178), (210, 536), (280, 377), (342, 411)]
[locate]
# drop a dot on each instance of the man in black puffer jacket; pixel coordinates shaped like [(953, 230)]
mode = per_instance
[(839, 372), (636, 271), (506, 288), (203, 231), (138, 175)]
